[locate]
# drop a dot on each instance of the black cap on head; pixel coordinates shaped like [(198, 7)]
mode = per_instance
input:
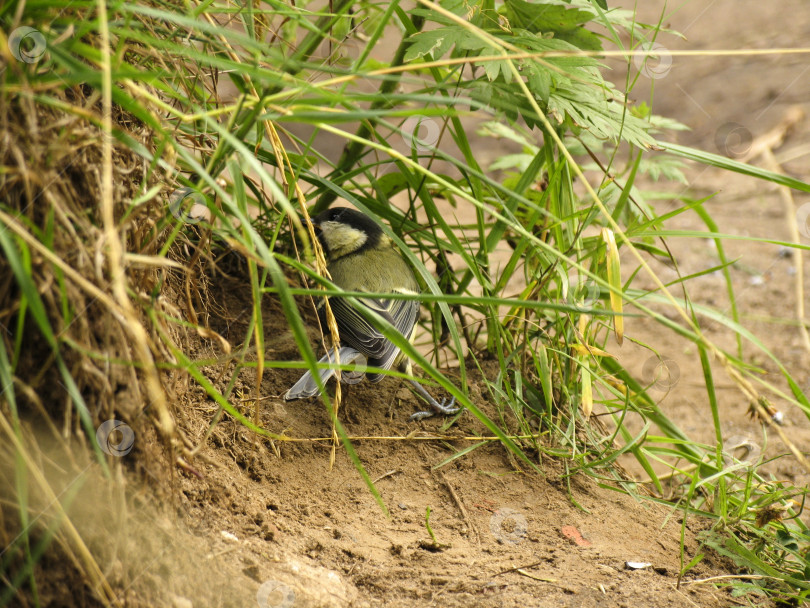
[(354, 219)]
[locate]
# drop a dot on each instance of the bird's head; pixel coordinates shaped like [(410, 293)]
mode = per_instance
[(343, 231)]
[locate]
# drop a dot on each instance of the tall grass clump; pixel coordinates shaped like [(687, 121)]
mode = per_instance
[(143, 141)]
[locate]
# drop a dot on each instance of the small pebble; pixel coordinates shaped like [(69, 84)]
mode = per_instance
[(229, 536)]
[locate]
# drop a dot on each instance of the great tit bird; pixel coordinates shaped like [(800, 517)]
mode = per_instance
[(360, 257)]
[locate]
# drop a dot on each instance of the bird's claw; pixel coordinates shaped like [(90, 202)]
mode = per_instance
[(446, 409)]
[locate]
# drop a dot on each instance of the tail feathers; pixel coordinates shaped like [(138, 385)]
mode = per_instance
[(307, 387)]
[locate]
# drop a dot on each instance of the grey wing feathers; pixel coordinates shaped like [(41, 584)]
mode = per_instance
[(306, 385), (357, 332)]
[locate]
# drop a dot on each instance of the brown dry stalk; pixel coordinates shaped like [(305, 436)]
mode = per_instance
[(320, 260), (763, 146), (115, 249)]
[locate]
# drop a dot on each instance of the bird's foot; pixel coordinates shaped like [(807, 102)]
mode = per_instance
[(443, 408)]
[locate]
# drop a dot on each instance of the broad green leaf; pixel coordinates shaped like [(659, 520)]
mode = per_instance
[(564, 23), (435, 43)]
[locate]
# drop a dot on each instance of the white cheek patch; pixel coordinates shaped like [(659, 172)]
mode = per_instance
[(342, 239)]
